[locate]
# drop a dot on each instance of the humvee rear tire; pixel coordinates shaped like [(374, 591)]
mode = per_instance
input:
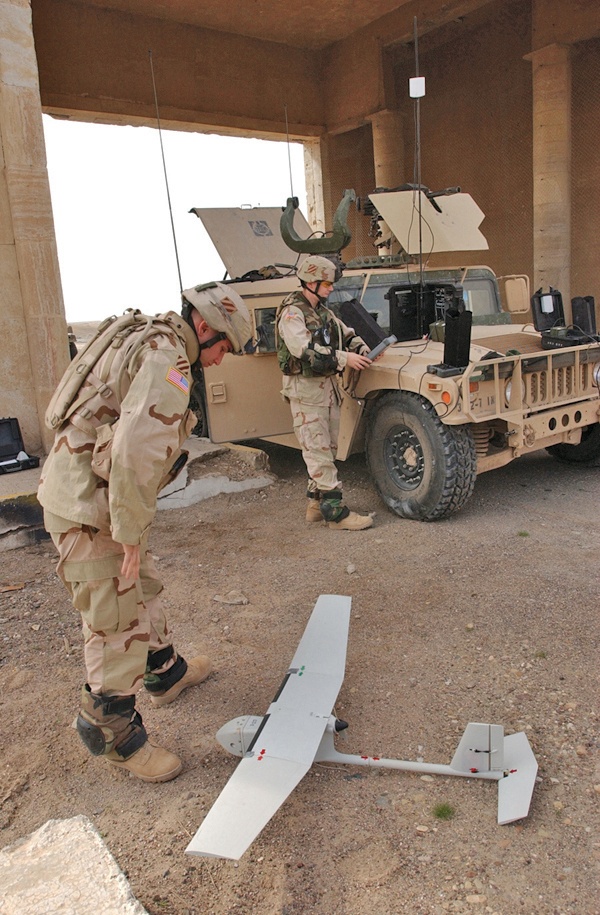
[(423, 470), (586, 452)]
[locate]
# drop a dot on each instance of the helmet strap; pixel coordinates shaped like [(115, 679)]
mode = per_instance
[(322, 298), (216, 339)]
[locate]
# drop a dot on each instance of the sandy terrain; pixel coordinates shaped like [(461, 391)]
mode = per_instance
[(489, 616)]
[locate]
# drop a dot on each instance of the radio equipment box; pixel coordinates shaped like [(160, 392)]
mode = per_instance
[(12, 452)]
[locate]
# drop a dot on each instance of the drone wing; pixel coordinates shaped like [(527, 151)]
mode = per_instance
[(285, 745)]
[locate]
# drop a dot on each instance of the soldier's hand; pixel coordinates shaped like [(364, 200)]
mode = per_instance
[(131, 561), (356, 361)]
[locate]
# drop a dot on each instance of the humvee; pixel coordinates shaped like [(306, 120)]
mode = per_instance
[(464, 390)]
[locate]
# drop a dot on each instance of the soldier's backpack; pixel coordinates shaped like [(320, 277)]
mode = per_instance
[(112, 332)]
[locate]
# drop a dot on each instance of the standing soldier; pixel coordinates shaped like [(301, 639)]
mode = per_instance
[(314, 347), (118, 441)]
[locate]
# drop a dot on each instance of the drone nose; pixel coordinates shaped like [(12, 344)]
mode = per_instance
[(340, 725)]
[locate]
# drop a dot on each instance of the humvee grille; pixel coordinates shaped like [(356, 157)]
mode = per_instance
[(530, 383)]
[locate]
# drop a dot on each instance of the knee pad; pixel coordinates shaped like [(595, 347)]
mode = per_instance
[(158, 658), (160, 683), (92, 736), (107, 723), (331, 504), (102, 740)]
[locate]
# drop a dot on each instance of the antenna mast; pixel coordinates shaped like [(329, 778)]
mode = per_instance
[(417, 91), (165, 171), (287, 133)]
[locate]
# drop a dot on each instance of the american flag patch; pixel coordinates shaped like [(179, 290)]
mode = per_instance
[(179, 380)]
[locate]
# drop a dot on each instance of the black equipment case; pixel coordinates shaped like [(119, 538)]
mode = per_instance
[(12, 450)]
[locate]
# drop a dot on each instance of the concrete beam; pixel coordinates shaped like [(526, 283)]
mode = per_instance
[(94, 63), (557, 22)]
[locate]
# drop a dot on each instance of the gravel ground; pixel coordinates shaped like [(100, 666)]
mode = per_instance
[(491, 615)]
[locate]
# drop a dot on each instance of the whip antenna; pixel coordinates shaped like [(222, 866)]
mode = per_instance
[(287, 133), (165, 171)]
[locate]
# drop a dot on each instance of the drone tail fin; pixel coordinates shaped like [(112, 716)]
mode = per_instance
[(483, 748), (516, 787)]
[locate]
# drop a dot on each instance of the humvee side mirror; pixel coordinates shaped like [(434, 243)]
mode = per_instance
[(516, 293)]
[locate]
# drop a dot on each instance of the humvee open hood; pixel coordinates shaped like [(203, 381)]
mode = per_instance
[(249, 238)]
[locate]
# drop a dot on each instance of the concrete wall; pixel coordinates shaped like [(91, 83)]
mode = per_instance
[(476, 129)]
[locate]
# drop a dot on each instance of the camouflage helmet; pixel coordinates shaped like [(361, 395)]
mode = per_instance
[(223, 310), (316, 269)]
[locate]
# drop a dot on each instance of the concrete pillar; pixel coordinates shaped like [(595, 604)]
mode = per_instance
[(388, 159), (33, 340), (552, 170), (388, 148), (315, 161)]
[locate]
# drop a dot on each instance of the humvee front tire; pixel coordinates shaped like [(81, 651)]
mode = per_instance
[(423, 470), (586, 452)]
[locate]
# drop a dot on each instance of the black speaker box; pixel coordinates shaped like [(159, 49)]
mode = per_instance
[(584, 313), (354, 315), (11, 445), (547, 309), (457, 338)]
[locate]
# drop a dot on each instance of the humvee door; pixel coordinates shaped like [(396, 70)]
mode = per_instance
[(243, 399), (243, 393)]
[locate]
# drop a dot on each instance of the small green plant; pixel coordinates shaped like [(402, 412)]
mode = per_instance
[(523, 533), (541, 655), (444, 811)]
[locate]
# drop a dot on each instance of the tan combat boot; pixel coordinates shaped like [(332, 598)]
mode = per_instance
[(149, 763), (188, 673), (110, 726), (313, 510), (352, 522)]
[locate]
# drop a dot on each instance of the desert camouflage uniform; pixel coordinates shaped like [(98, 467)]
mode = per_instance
[(310, 366), (99, 487)]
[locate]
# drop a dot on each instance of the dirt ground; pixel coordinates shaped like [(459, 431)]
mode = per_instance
[(491, 615)]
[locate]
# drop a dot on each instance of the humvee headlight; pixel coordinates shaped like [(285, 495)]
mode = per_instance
[(596, 374), (508, 391)]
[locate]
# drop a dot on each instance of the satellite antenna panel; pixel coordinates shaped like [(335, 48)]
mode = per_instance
[(451, 226)]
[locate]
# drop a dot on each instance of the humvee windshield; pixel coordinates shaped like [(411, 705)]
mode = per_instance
[(480, 291)]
